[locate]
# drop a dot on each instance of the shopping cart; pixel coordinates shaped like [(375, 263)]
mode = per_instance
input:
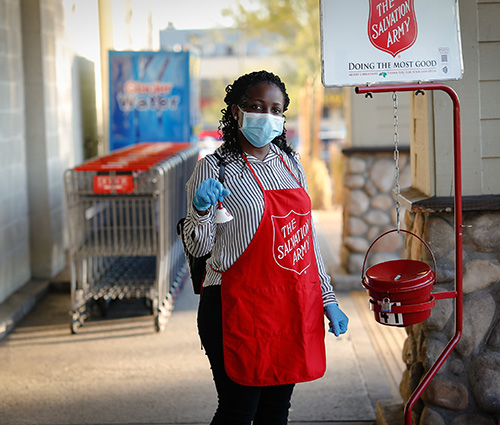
[(122, 211)]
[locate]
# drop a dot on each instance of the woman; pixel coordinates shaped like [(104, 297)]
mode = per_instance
[(260, 317)]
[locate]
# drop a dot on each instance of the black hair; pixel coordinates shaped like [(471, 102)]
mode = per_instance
[(236, 94)]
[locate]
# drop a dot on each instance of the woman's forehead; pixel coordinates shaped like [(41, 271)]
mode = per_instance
[(266, 92)]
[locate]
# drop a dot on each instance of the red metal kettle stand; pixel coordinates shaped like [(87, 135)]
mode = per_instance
[(425, 277)]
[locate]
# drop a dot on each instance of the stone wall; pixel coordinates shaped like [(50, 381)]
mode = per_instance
[(466, 389), (369, 206)]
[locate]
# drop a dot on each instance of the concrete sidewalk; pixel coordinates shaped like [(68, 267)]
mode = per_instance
[(118, 370)]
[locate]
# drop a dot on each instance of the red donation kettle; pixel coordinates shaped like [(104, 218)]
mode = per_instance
[(400, 290)]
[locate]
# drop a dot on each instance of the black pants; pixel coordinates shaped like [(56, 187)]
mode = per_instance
[(238, 404)]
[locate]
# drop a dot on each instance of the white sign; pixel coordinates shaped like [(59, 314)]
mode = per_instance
[(389, 41)]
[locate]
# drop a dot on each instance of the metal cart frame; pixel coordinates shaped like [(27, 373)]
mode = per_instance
[(121, 212)]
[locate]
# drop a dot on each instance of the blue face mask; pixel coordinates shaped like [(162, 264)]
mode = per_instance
[(261, 129)]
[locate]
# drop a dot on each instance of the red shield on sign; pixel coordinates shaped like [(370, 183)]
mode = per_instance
[(392, 25), (292, 241)]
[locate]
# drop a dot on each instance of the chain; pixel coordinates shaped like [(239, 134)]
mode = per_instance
[(397, 187)]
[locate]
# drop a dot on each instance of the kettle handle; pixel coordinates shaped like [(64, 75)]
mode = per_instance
[(396, 230)]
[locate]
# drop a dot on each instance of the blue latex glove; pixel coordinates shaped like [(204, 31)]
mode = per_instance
[(208, 193), (338, 320)]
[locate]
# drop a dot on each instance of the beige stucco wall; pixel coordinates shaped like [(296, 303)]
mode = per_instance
[(370, 121), (479, 91), (489, 88)]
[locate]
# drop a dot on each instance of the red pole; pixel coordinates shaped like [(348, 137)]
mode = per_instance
[(458, 228)]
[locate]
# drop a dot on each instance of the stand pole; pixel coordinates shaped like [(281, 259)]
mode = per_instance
[(458, 294)]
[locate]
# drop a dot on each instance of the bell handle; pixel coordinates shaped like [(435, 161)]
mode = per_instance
[(398, 230)]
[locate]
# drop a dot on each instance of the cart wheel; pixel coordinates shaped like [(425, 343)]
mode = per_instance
[(161, 318), (75, 323), (150, 305), (158, 324), (154, 305), (102, 305)]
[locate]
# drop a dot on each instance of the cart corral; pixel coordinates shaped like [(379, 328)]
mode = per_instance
[(122, 211)]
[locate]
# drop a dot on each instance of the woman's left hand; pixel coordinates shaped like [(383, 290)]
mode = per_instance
[(338, 319)]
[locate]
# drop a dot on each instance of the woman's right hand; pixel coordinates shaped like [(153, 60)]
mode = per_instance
[(209, 193)]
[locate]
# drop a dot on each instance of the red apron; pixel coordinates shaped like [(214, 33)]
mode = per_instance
[(272, 308)]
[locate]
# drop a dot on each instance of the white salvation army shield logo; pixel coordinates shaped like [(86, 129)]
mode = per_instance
[(292, 241)]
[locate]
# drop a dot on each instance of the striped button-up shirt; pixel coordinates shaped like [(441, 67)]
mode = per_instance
[(246, 204)]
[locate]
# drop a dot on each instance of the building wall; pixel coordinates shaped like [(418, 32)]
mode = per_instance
[(480, 114), (441, 113), (489, 91), (48, 50), (14, 218), (370, 122), (40, 136), (50, 123)]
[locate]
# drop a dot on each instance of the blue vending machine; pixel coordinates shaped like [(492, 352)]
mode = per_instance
[(154, 97)]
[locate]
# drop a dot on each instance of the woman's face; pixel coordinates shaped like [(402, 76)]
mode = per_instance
[(262, 98)]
